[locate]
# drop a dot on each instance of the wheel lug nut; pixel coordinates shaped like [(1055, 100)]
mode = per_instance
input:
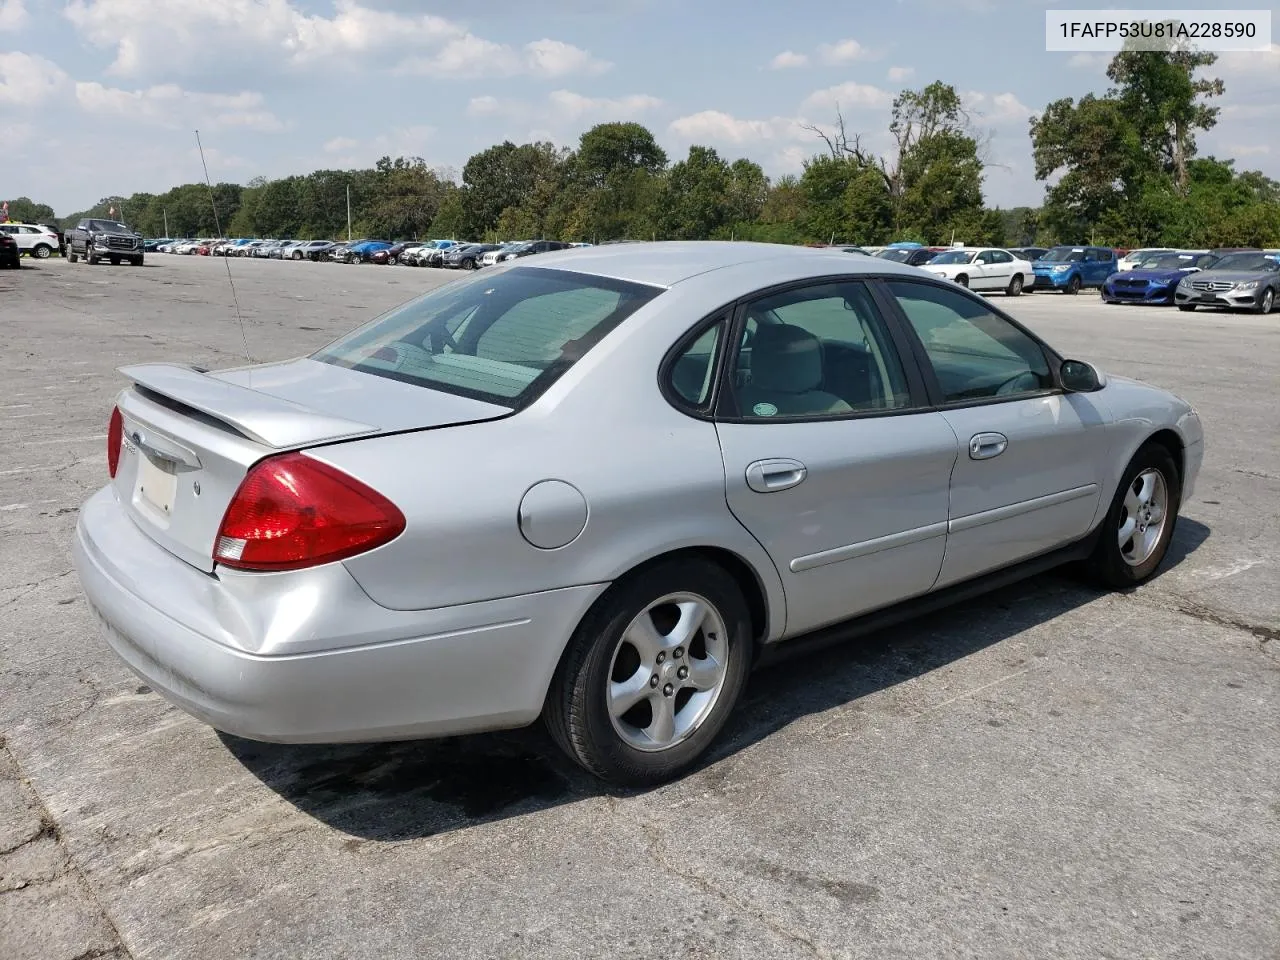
[(679, 652), (653, 681), (683, 673), (661, 657), (668, 690)]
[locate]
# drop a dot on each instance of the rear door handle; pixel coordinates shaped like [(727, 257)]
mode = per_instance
[(984, 446), (770, 476)]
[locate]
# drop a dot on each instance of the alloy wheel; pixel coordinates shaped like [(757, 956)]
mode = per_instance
[(667, 672), (1142, 521)]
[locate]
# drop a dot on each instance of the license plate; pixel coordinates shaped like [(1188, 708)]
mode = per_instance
[(1208, 296), (157, 487)]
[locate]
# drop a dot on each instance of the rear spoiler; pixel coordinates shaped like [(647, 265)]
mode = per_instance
[(265, 419)]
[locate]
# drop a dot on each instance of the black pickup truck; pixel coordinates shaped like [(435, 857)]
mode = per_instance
[(96, 239)]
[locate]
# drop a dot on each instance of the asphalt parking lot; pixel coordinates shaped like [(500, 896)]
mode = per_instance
[(1045, 772)]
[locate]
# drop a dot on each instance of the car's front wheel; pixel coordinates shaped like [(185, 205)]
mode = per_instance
[(1073, 286), (652, 673), (962, 280), (1139, 526), (1267, 302), (41, 251)]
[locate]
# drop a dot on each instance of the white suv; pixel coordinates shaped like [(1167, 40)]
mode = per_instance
[(33, 238)]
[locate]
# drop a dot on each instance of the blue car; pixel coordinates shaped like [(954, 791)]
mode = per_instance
[(1070, 268), (361, 251), (1154, 279)]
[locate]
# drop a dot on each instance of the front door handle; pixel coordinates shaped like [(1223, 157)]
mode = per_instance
[(770, 476), (984, 446)]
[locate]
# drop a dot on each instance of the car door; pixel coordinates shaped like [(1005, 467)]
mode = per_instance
[(1000, 269), (1098, 265), (832, 459), (1030, 471)]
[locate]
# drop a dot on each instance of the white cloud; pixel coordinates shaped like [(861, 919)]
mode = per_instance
[(1262, 64), (788, 59), (1000, 108), (1253, 150), (28, 80), (469, 56), (714, 126), (1089, 61), (13, 15), (899, 74), (564, 106), (847, 95), (573, 106), (554, 58), (410, 141), (170, 106), (846, 51), (340, 144)]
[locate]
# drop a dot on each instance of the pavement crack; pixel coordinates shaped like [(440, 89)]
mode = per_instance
[(28, 588), (1207, 614), (706, 885)]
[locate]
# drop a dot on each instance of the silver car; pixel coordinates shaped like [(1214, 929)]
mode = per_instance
[(596, 488)]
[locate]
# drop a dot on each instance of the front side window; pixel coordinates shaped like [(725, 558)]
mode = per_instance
[(975, 354), (502, 339), (820, 351)]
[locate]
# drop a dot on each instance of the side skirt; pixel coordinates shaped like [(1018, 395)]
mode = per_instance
[(858, 627)]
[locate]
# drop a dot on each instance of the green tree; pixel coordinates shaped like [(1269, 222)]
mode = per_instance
[(697, 197), (26, 210)]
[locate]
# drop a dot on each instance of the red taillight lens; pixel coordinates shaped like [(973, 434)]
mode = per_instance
[(115, 433), (293, 511)]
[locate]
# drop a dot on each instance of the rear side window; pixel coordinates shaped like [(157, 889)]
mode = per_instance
[(502, 339)]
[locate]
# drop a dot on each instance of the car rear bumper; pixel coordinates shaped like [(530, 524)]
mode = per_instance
[(307, 656)]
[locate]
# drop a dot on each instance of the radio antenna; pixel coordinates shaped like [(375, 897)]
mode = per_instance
[(244, 337)]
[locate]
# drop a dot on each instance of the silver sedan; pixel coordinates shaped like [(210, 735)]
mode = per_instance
[(595, 487)]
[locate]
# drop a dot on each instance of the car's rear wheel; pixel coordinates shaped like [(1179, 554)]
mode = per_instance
[(1267, 302), (1073, 286), (1015, 286), (652, 673), (1139, 526)]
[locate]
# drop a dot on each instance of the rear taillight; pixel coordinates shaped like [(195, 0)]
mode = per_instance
[(293, 511), (115, 433)]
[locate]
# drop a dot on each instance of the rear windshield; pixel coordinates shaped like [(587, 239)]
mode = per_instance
[(502, 339)]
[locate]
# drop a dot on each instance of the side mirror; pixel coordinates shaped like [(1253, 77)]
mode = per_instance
[(1080, 377)]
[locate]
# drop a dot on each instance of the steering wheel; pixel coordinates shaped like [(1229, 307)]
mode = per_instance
[(1018, 383)]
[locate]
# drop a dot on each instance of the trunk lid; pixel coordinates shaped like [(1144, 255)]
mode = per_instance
[(190, 437)]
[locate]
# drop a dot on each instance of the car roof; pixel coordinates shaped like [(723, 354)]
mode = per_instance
[(667, 262)]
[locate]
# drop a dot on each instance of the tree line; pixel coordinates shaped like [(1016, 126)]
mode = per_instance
[(1121, 168)]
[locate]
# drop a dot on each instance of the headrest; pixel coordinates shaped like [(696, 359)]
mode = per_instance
[(785, 359)]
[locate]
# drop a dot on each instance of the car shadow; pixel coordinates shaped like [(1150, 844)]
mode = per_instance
[(404, 790)]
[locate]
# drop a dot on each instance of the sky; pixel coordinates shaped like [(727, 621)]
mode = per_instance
[(102, 97)]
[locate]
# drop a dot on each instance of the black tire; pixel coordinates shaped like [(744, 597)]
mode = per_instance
[(468, 264), (1267, 302), (296, 255), (576, 712), (136, 261), (1107, 565), (963, 280), (92, 258), (1188, 307), (72, 256), (1015, 286), (41, 251), (1073, 285)]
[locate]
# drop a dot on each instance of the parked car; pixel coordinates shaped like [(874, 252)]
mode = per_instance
[(10, 255), (35, 240), (984, 268), (393, 253), (317, 588), (531, 248), (287, 250), (316, 249), (1155, 278), (360, 251), (916, 256), (1070, 269), (1131, 259), (1028, 253), (467, 257), (1239, 281), (98, 239), (433, 256), (491, 257)]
